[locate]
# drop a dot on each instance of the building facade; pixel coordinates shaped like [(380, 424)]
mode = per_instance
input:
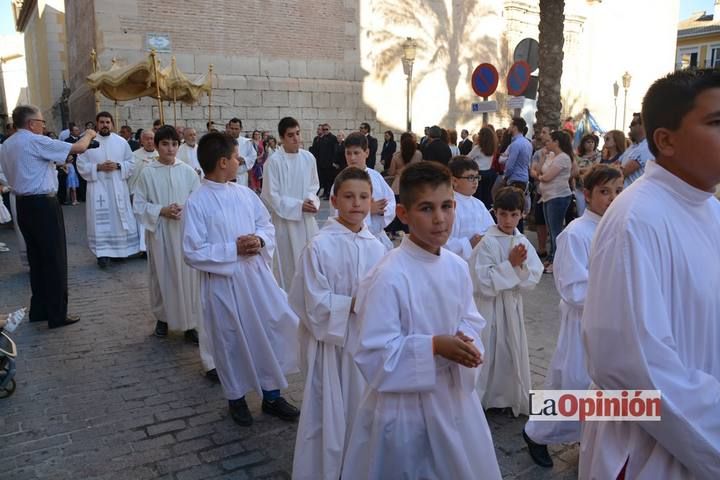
[(698, 40), (340, 61)]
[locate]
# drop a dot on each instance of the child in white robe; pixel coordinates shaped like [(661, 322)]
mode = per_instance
[(502, 265), (382, 211), (567, 369), (290, 185), (227, 235), (472, 219), (322, 294), (158, 198), (420, 350)]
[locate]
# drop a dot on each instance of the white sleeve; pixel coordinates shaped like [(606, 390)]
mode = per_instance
[(198, 252), (570, 268), (284, 206), (147, 213), (491, 275)]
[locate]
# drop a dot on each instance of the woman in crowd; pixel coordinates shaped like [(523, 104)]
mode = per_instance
[(615, 145), (256, 172), (407, 154), (484, 147), (388, 149), (452, 141), (588, 155), (554, 181)]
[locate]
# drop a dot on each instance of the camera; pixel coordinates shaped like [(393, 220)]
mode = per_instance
[(94, 144)]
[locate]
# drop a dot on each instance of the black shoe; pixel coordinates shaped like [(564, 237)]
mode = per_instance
[(103, 262), (190, 336), (240, 412), (68, 321), (212, 375), (280, 408), (161, 329), (538, 452)]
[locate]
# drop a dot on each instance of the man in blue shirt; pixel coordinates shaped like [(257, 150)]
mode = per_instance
[(517, 165)]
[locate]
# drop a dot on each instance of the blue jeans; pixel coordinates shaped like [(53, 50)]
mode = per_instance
[(555, 218)]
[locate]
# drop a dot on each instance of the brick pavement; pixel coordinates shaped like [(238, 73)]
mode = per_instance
[(104, 399)]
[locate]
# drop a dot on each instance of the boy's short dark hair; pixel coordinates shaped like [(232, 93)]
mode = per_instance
[(350, 173), (460, 164), (419, 175), (156, 123), (212, 147), (285, 124), (356, 139), (166, 132), (670, 98), (235, 120), (509, 199), (104, 115), (600, 174)]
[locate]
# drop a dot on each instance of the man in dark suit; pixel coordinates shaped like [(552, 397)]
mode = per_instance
[(325, 158), (372, 144), (436, 149), (466, 144)]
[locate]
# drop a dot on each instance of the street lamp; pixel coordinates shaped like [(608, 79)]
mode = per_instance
[(626, 84), (409, 49), (616, 90)]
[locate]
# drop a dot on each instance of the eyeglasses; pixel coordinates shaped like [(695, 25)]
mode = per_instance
[(471, 178), (37, 120)]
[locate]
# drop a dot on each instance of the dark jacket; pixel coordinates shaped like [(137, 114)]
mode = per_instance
[(387, 153), (438, 151), (373, 147), (465, 146)]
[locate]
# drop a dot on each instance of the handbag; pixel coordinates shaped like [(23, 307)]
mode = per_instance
[(5, 216)]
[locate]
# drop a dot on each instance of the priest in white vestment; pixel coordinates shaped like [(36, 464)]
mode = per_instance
[(290, 185), (188, 150), (111, 226), (158, 199), (652, 312), (472, 219), (322, 294), (246, 151)]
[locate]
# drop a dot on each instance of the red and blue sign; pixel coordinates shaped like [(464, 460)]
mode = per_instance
[(485, 80), (518, 78)]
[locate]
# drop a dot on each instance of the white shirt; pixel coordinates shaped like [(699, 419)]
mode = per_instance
[(64, 135), (27, 160), (188, 154), (641, 154), (484, 162)]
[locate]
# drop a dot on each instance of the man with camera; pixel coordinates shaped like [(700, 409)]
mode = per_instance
[(28, 159)]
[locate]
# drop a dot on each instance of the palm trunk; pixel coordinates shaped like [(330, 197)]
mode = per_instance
[(552, 20)]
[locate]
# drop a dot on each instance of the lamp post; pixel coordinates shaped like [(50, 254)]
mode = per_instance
[(409, 49), (626, 84), (616, 90)]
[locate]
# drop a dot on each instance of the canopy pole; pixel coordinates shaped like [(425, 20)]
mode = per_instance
[(93, 59), (153, 54), (210, 74)]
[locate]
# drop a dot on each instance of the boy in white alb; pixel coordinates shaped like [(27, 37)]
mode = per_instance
[(502, 265), (227, 235), (472, 219), (420, 351), (160, 193), (323, 295), (567, 368), (382, 210), (290, 185)]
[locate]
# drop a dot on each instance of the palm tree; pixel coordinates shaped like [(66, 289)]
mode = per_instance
[(445, 39), (549, 104)]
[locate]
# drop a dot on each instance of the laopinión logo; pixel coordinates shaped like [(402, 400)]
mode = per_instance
[(595, 405)]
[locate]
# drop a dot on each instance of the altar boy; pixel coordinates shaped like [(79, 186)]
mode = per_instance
[(419, 350), (323, 296), (227, 235)]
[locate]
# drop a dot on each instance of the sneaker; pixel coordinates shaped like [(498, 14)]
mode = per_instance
[(280, 408), (538, 452), (191, 336), (240, 412), (103, 262), (161, 329)]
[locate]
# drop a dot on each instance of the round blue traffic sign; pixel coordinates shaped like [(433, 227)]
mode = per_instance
[(485, 80), (518, 78)]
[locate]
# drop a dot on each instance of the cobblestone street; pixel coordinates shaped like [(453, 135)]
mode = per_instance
[(104, 399)]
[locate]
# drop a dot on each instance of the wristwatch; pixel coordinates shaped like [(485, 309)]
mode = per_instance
[(262, 242), (118, 166)]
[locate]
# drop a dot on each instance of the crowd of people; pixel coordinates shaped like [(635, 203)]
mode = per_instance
[(405, 345)]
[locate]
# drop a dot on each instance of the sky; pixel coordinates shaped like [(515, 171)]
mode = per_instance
[(689, 6), (686, 8)]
